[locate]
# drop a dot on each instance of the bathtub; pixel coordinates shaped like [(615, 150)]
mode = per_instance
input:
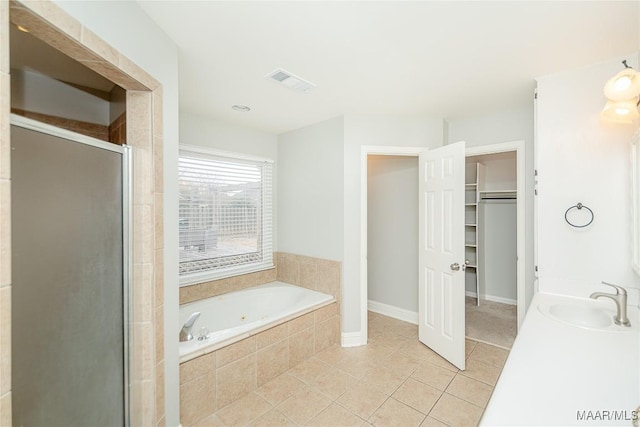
[(237, 315)]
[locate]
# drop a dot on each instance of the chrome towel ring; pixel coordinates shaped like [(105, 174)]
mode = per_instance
[(578, 206)]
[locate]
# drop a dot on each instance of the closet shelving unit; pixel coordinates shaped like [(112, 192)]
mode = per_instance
[(474, 185)]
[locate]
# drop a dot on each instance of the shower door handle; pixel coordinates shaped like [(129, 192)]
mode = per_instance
[(455, 266)]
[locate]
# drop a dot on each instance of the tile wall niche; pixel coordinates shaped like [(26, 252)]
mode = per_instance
[(55, 27)]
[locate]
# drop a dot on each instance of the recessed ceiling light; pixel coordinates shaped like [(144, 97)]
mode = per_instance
[(241, 108), (23, 29)]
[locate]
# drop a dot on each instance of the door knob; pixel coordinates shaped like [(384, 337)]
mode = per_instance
[(455, 266)]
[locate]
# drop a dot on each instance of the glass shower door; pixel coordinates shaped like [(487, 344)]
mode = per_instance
[(68, 294)]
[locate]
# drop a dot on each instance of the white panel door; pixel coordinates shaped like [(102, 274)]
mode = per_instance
[(441, 251)]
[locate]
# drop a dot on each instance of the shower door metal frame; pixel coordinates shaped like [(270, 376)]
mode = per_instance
[(127, 243)]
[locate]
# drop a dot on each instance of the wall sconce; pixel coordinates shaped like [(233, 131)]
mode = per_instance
[(622, 91)]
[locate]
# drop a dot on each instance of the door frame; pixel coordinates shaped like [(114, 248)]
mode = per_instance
[(365, 152), (521, 252)]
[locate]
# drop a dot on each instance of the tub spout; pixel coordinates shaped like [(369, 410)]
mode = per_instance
[(620, 298), (185, 333)]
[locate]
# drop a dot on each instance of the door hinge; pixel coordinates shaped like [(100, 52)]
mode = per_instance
[(536, 268)]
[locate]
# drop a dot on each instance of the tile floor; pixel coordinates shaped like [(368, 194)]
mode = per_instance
[(392, 381)]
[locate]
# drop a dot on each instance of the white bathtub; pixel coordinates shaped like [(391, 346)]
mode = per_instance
[(237, 315)]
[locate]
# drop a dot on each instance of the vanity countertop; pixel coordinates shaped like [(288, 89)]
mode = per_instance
[(558, 374)]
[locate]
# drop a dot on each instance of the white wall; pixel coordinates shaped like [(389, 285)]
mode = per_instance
[(498, 250), (310, 190), (514, 124), (208, 132), (362, 130), (41, 94), (582, 159), (121, 24), (392, 222)]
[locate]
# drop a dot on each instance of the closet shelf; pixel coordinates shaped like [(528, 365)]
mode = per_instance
[(471, 225), (470, 204), (471, 266), (470, 245)]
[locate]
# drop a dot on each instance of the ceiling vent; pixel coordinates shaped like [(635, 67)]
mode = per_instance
[(290, 80)]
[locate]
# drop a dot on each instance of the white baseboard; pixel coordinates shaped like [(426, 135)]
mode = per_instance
[(493, 298), (395, 312), (351, 339)]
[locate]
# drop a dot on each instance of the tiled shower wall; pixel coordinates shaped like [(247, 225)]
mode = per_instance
[(51, 24)]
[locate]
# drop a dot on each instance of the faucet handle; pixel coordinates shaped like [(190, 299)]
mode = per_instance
[(619, 289)]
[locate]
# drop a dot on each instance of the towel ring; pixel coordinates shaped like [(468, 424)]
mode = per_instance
[(579, 206)]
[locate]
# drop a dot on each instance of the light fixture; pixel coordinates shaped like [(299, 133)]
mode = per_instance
[(622, 91), (23, 29), (241, 108)]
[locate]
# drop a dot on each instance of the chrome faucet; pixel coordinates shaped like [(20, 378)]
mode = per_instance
[(185, 333), (620, 298)]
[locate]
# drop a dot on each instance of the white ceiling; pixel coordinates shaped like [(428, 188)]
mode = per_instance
[(445, 59)]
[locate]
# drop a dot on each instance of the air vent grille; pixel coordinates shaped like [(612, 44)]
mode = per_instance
[(290, 80)]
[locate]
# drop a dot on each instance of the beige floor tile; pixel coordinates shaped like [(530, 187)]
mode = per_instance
[(244, 410), (433, 375), (305, 404), (333, 355), (401, 364), (309, 369), (470, 390), (280, 388), (407, 330), (361, 400), (435, 359), (383, 379), (273, 418), (456, 412), (469, 345), (393, 413), (211, 421), (333, 383), (356, 368), (416, 349), (417, 395), (432, 422), (481, 371), (335, 415), (392, 340), (489, 354)]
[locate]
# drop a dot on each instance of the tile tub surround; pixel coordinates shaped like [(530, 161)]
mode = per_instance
[(216, 380), (392, 381), (317, 274)]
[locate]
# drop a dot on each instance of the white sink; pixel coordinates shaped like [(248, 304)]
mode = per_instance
[(583, 314)]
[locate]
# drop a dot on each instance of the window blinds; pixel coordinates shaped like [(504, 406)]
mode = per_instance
[(225, 215)]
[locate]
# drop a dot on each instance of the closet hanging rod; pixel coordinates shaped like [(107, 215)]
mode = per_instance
[(498, 195)]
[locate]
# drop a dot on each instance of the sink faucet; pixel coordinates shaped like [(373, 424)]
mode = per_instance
[(620, 298), (185, 333)]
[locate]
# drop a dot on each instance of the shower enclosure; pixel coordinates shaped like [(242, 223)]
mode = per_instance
[(70, 295)]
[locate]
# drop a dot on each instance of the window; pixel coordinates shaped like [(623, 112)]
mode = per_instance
[(225, 204)]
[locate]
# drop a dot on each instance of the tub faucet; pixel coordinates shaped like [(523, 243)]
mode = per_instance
[(185, 333), (620, 298)]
